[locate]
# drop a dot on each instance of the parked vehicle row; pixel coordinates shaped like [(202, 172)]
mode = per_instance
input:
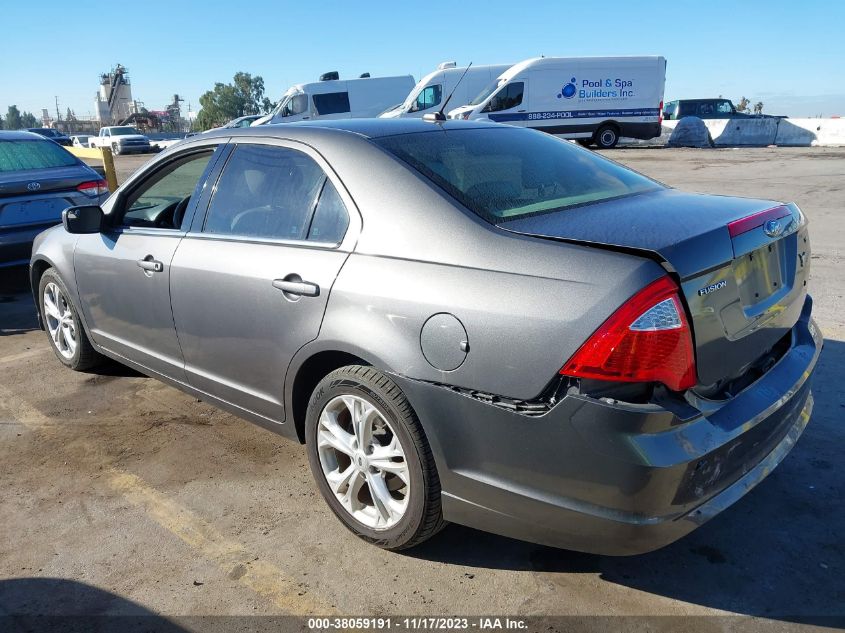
[(596, 100), (610, 363)]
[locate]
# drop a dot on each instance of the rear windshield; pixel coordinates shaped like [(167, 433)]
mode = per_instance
[(509, 173), (19, 155)]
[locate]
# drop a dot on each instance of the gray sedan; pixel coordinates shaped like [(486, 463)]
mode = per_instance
[(38, 179), (461, 321)]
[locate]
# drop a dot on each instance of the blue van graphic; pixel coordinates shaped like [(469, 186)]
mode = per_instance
[(568, 90)]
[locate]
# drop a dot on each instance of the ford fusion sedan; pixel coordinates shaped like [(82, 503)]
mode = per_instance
[(38, 179), (462, 322)]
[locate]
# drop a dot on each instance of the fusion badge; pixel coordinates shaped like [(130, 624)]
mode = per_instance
[(712, 288)]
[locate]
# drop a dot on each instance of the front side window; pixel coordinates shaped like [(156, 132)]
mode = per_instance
[(295, 104), (331, 103), (19, 155), (161, 200), (427, 98), (508, 97), (510, 173), (265, 192), (705, 109)]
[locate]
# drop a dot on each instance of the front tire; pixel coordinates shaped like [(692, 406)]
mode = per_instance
[(607, 136), (115, 149), (371, 460), (63, 325)]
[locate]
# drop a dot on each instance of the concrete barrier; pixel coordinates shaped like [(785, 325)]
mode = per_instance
[(814, 132), (742, 132), (763, 132)]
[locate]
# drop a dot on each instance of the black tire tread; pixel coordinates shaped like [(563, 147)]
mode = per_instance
[(88, 357), (432, 521)]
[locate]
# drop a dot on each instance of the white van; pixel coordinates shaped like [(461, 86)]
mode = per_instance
[(334, 98), (433, 89), (594, 99)]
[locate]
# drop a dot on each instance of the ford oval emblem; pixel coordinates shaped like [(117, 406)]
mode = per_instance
[(773, 228), (34, 186)]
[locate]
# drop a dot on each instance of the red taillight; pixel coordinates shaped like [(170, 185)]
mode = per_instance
[(648, 339), (660, 112), (743, 225), (94, 188)]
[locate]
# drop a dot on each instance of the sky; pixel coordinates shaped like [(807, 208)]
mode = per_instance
[(788, 54)]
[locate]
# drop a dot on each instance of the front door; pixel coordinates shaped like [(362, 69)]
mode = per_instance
[(250, 283), (123, 273)]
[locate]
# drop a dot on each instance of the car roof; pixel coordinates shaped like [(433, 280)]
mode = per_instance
[(19, 135), (369, 128)]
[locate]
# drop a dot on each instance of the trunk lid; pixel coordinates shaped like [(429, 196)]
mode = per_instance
[(17, 183), (742, 265)]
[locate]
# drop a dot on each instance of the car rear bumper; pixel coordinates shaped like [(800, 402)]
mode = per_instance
[(608, 477), (16, 243)]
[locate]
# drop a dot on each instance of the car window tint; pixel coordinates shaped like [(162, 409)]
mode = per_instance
[(265, 191), (507, 173), (156, 201), (332, 103), (20, 155), (508, 97), (330, 217)]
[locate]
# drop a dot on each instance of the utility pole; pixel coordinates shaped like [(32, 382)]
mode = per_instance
[(58, 114)]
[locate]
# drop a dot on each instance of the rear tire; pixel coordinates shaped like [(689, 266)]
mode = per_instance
[(63, 325), (606, 137), (362, 434)]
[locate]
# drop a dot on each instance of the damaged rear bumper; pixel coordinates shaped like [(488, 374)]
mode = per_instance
[(609, 477)]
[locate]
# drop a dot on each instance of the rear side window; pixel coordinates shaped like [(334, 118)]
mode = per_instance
[(330, 217), (428, 98), (332, 103), (508, 97), (36, 154), (509, 173), (265, 192)]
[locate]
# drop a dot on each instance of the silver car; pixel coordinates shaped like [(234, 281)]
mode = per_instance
[(461, 321)]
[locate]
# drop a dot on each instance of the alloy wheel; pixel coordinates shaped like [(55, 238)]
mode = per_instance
[(363, 462), (59, 320)]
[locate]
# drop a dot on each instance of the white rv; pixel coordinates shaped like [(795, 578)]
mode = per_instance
[(433, 89), (334, 98), (593, 99)]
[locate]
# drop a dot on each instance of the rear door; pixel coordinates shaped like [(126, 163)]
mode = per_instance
[(250, 281)]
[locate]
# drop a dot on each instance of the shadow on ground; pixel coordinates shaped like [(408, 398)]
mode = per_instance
[(778, 553), (56, 604)]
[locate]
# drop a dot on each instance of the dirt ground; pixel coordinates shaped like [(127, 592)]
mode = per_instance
[(122, 495)]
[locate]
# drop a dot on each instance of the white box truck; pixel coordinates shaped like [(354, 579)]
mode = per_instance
[(335, 98), (596, 100), (433, 89)]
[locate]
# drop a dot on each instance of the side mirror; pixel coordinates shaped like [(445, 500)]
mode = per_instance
[(84, 219)]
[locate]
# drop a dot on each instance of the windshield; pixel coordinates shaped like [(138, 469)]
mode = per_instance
[(510, 173), (123, 130), (490, 89), (22, 155)]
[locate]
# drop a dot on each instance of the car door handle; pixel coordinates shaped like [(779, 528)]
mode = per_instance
[(297, 287), (152, 265)]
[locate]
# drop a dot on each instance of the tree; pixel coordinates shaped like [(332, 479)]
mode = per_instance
[(229, 101), (13, 118), (28, 120), (758, 107), (743, 104), (1, 123)]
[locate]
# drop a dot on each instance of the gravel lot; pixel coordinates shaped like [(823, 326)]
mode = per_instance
[(116, 483)]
